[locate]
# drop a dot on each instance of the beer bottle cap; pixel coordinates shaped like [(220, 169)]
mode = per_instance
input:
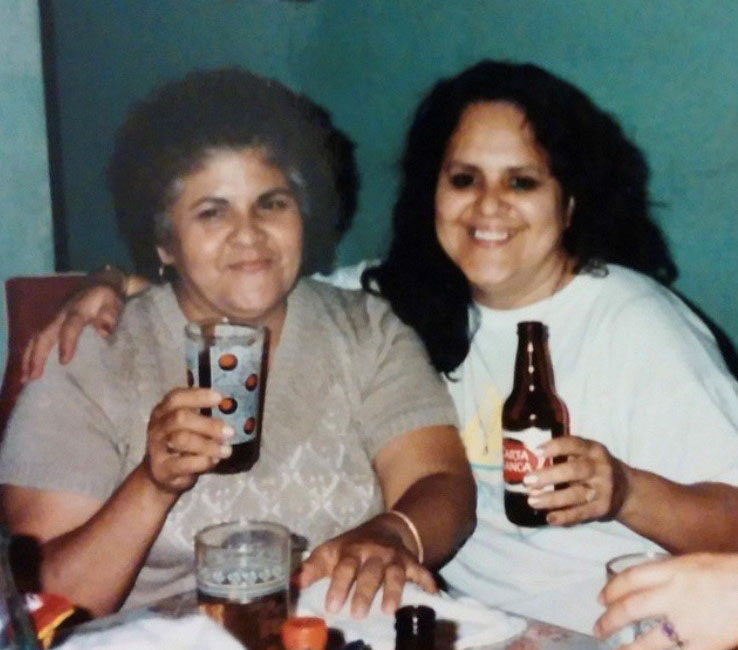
[(304, 633)]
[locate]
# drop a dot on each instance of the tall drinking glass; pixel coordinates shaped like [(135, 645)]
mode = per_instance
[(232, 359)]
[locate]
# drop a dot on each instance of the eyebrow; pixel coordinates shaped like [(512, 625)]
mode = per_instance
[(277, 191), (208, 199), (515, 169)]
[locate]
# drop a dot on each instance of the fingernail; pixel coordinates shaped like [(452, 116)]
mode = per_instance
[(228, 431), (225, 451), (533, 502), (332, 606), (530, 479)]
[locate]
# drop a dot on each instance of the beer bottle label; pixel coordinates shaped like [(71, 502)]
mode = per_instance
[(520, 456)]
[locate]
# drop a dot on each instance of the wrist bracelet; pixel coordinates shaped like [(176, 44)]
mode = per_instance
[(413, 530), (113, 277)]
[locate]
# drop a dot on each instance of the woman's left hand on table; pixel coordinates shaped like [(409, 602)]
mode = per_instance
[(594, 484), (370, 556)]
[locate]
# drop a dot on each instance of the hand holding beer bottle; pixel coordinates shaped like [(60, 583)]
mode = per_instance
[(531, 415), (552, 477)]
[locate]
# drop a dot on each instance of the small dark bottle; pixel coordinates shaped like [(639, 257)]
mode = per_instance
[(532, 414), (415, 628)]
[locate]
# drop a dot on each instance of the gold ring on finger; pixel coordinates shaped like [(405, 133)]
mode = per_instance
[(590, 495)]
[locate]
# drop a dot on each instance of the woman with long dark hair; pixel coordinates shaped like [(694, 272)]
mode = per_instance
[(522, 200)]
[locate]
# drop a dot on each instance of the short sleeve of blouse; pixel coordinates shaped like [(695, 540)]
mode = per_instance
[(59, 437), (399, 389)]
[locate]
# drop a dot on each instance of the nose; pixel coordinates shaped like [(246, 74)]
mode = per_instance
[(247, 228), (490, 199)]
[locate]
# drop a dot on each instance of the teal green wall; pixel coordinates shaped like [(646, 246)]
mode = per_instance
[(25, 214), (667, 69)]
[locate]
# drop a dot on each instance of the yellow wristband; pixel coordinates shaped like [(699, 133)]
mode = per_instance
[(413, 531)]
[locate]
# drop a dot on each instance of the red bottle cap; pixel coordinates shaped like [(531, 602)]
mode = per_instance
[(304, 633)]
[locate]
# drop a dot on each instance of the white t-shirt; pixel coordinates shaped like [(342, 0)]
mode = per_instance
[(641, 374)]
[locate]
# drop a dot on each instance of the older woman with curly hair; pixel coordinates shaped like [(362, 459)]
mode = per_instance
[(233, 187), (521, 200)]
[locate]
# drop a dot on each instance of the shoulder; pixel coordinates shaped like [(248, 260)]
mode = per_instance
[(620, 285), (353, 311), (627, 297), (347, 277), (639, 318), (157, 303), (359, 327), (106, 366)]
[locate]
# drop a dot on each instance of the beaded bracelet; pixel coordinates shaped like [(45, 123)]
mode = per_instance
[(413, 530)]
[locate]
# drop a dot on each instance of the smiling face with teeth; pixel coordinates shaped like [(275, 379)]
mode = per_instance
[(500, 214)]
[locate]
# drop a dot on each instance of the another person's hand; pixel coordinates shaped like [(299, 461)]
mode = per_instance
[(98, 306), (695, 594), (596, 483), (370, 556), (182, 443)]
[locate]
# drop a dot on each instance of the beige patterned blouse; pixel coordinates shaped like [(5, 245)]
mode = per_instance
[(347, 377)]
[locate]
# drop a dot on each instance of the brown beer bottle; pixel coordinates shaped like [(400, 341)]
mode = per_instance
[(533, 413)]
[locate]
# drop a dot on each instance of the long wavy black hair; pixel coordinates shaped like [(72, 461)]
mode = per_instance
[(589, 156)]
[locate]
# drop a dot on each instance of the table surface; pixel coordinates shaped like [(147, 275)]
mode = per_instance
[(537, 636)]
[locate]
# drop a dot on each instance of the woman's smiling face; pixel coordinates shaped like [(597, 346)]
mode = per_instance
[(500, 214), (235, 239)]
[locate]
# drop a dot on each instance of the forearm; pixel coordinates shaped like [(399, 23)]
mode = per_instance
[(95, 564), (681, 518), (442, 508)]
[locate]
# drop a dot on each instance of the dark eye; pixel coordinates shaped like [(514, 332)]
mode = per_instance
[(209, 213), (524, 183), (461, 180), (273, 203)]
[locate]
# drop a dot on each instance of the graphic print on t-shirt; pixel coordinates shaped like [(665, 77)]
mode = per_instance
[(482, 431)]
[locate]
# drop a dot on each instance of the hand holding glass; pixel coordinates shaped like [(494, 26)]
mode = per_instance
[(619, 564), (231, 358)]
